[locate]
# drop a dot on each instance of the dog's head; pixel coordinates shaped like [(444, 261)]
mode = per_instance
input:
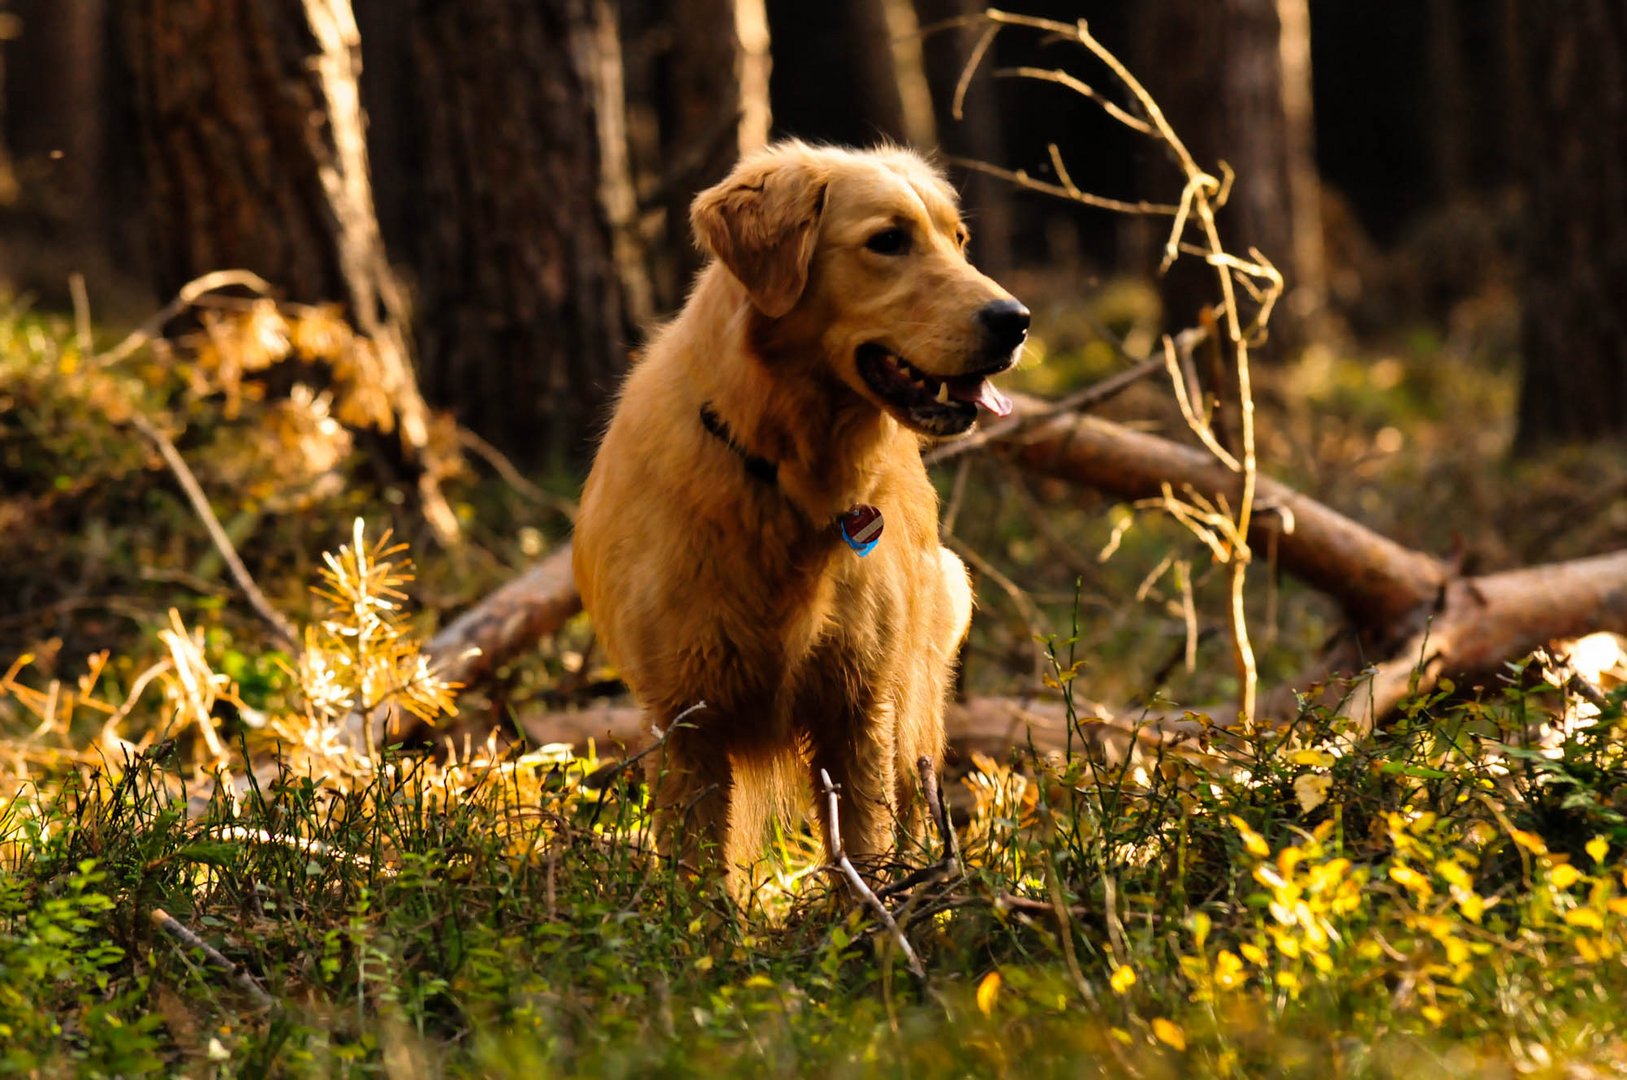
[(862, 256)]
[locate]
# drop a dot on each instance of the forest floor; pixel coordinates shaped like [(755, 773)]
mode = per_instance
[(201, 873)]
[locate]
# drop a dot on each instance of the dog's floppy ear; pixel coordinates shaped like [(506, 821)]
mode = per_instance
[(761, 222)]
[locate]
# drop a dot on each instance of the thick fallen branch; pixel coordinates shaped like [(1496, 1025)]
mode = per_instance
[(1377, 581), (1487, 620), (507, 622), (987, 725)]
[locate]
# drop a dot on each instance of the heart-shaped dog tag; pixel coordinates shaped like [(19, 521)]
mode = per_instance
[(861, 528)]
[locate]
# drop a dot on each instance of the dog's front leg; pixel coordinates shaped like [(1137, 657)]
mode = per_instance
[(691, 784), (857, 749)]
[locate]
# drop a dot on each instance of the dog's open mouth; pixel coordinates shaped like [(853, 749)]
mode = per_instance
[(932, 403)]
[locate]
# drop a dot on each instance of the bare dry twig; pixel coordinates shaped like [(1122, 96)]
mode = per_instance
[(172, 926), (843, 865), (1202, 193), (278, 622)]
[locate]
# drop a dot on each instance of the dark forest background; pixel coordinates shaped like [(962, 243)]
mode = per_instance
[(531, 161)]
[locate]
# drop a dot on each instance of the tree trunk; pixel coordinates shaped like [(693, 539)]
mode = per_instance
[(1233, 76), (528, 276), (974, 134), (834, 77), (256, 156), (1575, 276), (697, 98), (59, 164)]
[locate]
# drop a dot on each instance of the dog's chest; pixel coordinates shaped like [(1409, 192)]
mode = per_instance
[(782, 636)]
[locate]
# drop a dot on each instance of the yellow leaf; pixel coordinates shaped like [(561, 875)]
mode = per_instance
[(1564, 876), (1168, 1033), (1319, 758), (1122, 979), (1529, 841), (988, 992), (1452, 873), (1253, 841), (1311, 789), (1200, 925), (1584, 917)]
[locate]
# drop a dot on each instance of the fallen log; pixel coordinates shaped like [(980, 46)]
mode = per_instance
[(986, 725), (1484, 621), (1412, 613), (1377, 581)]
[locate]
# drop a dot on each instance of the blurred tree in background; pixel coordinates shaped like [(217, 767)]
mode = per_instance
[(509, 207), (1574, 163), (1235, 77)]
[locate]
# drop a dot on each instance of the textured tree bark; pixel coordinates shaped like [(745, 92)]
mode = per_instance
[(256, 158), (525, 213), (1574, 323), (1233, 76)]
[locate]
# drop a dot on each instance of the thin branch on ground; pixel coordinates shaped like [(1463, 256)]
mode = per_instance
[(940, 813), (511, 475), (172, 926), (278, 622)]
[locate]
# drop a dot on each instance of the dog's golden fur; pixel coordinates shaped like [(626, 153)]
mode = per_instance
[(709, 583)]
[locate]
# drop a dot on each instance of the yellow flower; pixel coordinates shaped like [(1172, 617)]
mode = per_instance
[(1584, 917), (1169, 1033), (1229, 973), (988, 993), (1597, 849), (1564, 876), (1122, 979)]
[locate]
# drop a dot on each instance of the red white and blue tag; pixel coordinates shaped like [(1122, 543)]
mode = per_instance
[(861, 529)]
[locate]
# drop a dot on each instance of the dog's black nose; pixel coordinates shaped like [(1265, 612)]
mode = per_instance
[(1005, 322)]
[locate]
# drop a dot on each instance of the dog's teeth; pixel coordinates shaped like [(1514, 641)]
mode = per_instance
[(943, 393)]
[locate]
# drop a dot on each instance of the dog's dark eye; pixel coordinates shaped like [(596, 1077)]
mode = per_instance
[(889, 242)]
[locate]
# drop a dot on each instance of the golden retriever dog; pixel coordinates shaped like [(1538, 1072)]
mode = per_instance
[(727, 545)]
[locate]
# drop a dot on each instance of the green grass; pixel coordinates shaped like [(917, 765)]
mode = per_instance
[(511, 920)]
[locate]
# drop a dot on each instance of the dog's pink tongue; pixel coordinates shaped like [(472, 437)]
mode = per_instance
[(985, 394)]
